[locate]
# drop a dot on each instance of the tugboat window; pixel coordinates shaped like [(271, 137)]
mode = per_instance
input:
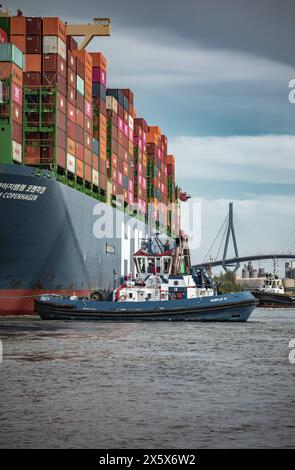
[(176, 283), (130, 295)]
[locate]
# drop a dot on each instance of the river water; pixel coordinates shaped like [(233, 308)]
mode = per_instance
[(148, 385)]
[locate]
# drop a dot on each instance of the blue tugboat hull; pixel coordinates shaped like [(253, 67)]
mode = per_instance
[(228, 307)]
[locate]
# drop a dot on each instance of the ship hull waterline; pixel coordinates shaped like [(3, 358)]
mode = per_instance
[(217, 308), (58, 240)]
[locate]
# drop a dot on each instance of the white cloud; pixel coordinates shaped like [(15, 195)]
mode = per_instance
[(139, 58), (263, 158)]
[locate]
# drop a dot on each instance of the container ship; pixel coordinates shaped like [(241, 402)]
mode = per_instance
[(82, 177)]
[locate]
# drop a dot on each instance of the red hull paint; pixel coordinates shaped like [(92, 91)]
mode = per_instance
[(21, 301)]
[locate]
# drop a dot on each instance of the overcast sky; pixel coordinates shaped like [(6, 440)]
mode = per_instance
[(214, 75)]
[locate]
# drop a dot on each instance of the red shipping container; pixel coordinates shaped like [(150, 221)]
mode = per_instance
[(34, 25), (61, 158), (88, 125), (61, 139), (80, 69), (17, 132), (80, 151), (71, 95), (102, 166), (33, 45), (72, 43), (71, 112), (71, 130), (17, 114), (52, 78), (80, 134), (88, 141), (95, 162), (72, 61), (32, 78), (54, 63), (80, 101), (87, 173), (102, 182), (71, 78), (79, 118), (17, 94), (61, 102), (61, 120), (87, 156)]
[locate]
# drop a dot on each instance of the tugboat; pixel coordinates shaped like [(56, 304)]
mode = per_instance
[(272, 293), (162, 290)]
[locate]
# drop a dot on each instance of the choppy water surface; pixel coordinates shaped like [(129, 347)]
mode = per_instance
[(198, 385)]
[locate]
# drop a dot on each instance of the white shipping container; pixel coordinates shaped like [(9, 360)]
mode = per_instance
[(62, 48), (54, 45), (112, 103), (49, 44), (16, 152), (71, 163), (131, 122), (95, 177)]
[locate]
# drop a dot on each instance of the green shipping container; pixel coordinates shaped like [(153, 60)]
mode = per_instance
[(80, 85), (10, 53)]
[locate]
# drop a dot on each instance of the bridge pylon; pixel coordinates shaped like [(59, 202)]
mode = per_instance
[(230, 232)]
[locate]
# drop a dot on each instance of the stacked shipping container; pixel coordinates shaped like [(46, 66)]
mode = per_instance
[(73, 123), (11, 76), (140, 165), (99, 141), (120, 126)]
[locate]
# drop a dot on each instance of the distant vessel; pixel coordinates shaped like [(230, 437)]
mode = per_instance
[(154, 294), (272, 294)]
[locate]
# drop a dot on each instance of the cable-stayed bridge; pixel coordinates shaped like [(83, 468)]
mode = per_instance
[(227, 235)]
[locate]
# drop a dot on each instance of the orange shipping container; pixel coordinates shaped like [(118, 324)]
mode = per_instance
[(33, 63), (8, 69), (88, 92), (88, 77), (87, 156), (85, 58), (103, 152), (103, 122), (18, 25), (53, 26), (71, 147), (19, 41), (99, 60), (79, 168)]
